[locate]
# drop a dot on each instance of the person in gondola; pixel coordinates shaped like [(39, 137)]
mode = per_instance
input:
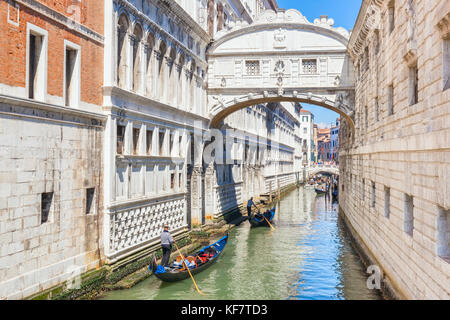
[(250, 204), (267, 214), (259, 216), (166, 244)]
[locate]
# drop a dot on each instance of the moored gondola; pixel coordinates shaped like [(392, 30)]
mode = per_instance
[(201, 260), (260, 221)]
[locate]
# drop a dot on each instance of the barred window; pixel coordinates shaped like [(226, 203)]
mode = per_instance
[(252, 68), (309, 66)]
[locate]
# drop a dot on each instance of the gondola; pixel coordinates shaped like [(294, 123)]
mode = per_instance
[(319, 191), (335, 194), (172, 273), (261, 222)]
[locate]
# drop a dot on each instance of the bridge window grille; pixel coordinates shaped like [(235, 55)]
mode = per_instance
[(309, 66), (253, 68)]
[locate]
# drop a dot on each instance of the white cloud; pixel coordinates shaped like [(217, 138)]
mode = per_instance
[(323, 125)]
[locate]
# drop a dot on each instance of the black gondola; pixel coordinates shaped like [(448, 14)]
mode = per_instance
[(172, 273), (261, 222), (320, 191)]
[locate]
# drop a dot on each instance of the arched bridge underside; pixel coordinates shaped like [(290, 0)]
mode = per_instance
[(318, 170), (280, 57)]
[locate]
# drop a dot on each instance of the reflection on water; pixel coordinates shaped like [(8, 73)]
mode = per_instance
[(307, 256)]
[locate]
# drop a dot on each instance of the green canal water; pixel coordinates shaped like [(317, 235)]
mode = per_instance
[(308, 256)]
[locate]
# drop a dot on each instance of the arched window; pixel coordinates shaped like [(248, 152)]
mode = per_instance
[(137, 68), (122, 51), (192, 86), (181, 62), (150, 65), (162, 69), (172, 77)]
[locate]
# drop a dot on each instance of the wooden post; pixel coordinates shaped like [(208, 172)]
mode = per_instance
[(279, 189), (270, 191)]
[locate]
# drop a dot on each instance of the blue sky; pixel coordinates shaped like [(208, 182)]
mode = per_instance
[(344, 13)]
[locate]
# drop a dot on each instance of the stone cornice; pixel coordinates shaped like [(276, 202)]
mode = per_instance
[(317, 28), (115, 91), (51, 111), (182, 17), (364, 24), (62, 19), (295, 54)]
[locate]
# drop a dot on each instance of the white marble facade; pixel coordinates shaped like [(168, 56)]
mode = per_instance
[(156, 101)]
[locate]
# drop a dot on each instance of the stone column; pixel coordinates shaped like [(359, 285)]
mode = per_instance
[(220, 17), (211, 17)]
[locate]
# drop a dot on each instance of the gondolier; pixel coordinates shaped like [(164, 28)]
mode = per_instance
[(250, 203), (201, 260), (263, 220), (166, 244)]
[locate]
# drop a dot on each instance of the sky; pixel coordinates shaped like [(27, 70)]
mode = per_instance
[(344, 13)]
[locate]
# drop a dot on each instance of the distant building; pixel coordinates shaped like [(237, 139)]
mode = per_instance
[(335, 140), (307, 135), (315, 151), (324, 144)]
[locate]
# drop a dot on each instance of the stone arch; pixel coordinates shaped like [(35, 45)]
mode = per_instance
[(322, 169), (162, 50), (123, 27), (172, 84), (180, 65), (137, 57), (150, 62), (192, 69), (223, 107), (280, 57)]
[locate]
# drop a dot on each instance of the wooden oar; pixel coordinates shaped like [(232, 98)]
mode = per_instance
[(187, 268), (267, 220)]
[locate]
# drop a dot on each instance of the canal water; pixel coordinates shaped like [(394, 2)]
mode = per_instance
[(308, 256)]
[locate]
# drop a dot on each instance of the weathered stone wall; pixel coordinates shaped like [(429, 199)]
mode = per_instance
[(43, 152), (397, 164), (50, 154)]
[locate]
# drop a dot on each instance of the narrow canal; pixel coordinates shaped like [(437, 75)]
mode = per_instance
[(307, 256)]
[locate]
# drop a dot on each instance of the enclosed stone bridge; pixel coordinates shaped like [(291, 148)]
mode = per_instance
[(312, 171), (280, 57)]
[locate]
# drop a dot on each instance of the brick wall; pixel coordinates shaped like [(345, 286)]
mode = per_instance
[(14, 41)]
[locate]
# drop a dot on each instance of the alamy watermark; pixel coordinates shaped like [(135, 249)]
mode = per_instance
[(374, 280)]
